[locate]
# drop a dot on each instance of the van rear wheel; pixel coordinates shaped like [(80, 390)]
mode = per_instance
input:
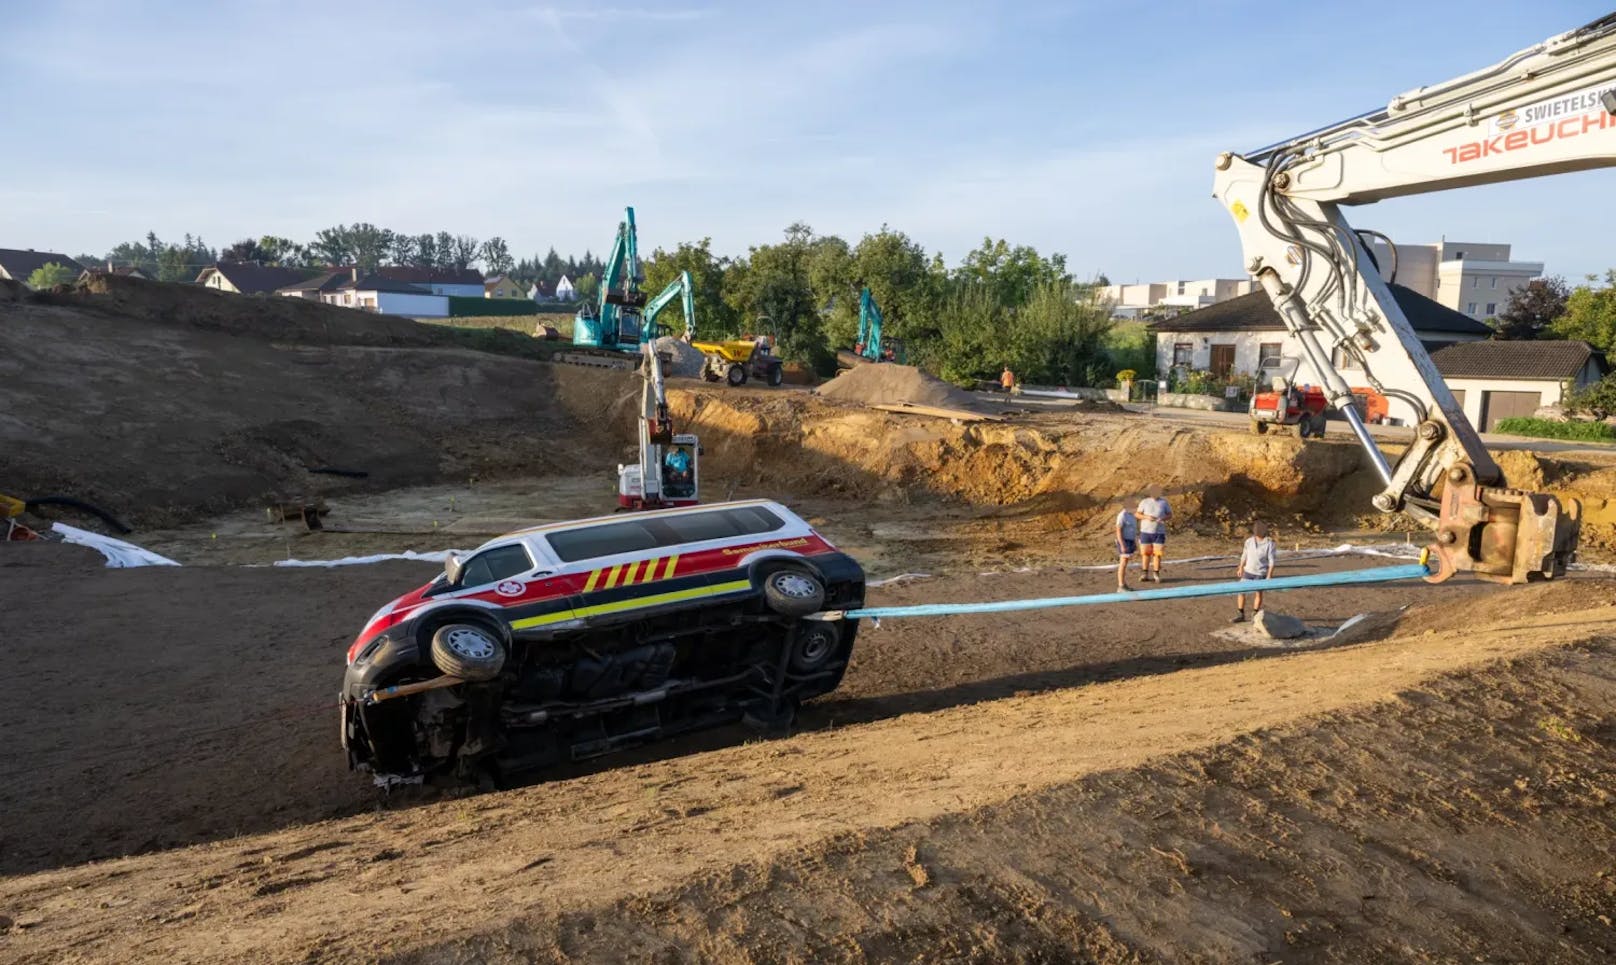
[(793, 593)]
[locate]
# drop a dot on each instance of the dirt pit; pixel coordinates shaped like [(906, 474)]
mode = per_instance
[(1117, 783), (1105, 756)]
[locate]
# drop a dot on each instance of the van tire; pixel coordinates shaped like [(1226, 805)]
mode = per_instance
[(793, 592)]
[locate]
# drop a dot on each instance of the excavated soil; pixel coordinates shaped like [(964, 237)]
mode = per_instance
[(1117, 784), (974, 791), (891, 384)]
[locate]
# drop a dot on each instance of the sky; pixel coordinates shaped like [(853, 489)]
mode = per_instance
[(1078, 127)]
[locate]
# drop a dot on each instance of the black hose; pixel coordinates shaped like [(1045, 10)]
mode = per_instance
[(69, 502)]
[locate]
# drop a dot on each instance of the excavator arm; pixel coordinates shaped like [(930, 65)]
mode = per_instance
[(1548, 109), (681, 286), (869, 343)]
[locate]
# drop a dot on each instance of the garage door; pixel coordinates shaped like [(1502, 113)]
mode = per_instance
[(1507, 405)]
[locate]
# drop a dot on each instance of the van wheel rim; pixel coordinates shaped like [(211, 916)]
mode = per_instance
[(816, 647), (795, 586), (469, 643)]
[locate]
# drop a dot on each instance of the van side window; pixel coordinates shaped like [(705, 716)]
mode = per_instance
[(497, 564), (651, 533)]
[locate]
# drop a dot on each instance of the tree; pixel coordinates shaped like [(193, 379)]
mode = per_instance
[(1013, 274), (444, 251), (49, 275), (244, 250), (371, 245), (283, 252), (333, 246), (586, 287), (1590, 314), (1532, 308), (464, 250), (403, 249), (173, 264), (426, 251), (496, 256), (715, 318)]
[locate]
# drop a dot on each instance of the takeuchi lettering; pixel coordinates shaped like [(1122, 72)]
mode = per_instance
[(778, 544), (1520, 140)]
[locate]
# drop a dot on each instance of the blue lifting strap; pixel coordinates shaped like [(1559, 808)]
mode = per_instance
[(1380, 574)]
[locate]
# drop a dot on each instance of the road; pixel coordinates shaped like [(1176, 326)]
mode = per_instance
[(1390, 434)]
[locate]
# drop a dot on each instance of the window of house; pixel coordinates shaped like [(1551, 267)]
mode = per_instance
[(1470, 309), (1345, 360), (1494, 281), (1458, 255), (1492, 309), (1181, 288), (1475, 281), (1267, 351), (1183, 353)]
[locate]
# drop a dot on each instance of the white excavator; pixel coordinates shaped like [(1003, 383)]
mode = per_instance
[(1548, 109), (666, 472)]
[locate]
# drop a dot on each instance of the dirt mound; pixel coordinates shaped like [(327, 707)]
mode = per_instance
[(686, 360), (273, 317), (890, 384), (226, 403)]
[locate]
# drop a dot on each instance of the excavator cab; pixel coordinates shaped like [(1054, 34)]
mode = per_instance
[(679, 470)]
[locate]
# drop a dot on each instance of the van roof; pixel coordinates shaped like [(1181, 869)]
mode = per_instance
[(619, 517)]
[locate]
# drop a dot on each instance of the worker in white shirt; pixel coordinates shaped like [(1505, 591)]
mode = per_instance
[(1256, 563), (1127, 543), (1153, 516)]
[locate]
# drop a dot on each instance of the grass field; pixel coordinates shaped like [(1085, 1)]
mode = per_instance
[(526, 324)]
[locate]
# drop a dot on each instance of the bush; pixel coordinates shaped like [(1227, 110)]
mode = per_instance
[(1550, 429), (1127, 375), (1597, 400)]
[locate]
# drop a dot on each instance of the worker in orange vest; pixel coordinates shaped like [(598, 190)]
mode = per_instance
[(1007, 381)]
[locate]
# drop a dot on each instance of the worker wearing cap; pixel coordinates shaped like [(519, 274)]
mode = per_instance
[(1153, 514)]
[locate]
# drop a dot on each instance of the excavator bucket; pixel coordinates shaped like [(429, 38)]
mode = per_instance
[(1503, 535)]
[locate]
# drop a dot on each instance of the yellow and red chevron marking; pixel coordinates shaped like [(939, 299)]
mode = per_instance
[(630, 574)]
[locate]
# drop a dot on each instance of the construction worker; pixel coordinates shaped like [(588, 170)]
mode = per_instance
[(1007, 379), (1127, 544), (1256, 563), (1153, 516)]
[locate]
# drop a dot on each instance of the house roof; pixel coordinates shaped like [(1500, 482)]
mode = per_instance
[(377, 283), (1554, 360), (1255, 313), (125, 271), (19, 264), (424, 276), (328, 281), (254, 279)]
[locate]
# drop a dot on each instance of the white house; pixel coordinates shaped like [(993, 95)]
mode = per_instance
[(542, 293), (564, 291), (503, 286), (373, 293), (17, 264), (248, 278), (1502, 380), (465, 282), (1230, 338)]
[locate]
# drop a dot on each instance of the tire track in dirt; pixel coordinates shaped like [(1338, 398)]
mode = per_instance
[(461, 867)]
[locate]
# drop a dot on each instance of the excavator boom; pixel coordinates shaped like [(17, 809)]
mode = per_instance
[(681, 288), (1548, 109)]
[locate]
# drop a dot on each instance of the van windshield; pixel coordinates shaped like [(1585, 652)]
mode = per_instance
[(658, 532)]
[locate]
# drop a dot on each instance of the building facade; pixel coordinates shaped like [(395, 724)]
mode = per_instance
[(1470, 277), (1132, 301), (1235, 337)]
